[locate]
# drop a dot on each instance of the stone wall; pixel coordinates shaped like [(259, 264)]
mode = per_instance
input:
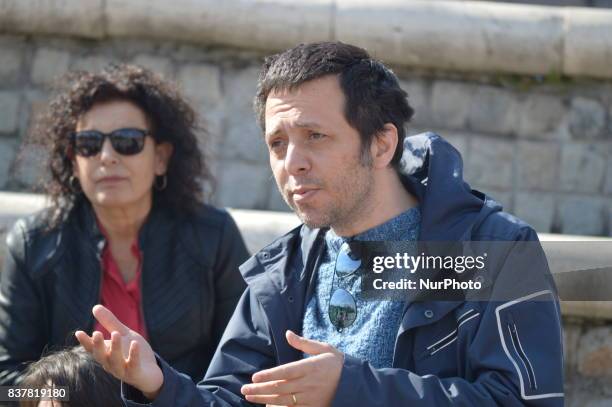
[(540, 144), (588, 362)]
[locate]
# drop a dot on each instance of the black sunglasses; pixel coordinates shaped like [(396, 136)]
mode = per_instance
[(342, 308), (88, 143)]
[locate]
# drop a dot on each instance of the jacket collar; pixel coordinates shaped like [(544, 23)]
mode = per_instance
[(432, 169), (278, 262)]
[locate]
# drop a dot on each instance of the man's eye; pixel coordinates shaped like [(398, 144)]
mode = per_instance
[(274, 144), (317, 136)]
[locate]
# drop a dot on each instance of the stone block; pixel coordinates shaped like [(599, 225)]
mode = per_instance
[(201, 83), (537, 164), (571, 338), (608, 179), (610, 221), (11, 50), (477, 36), (269, 25), (577, 3), (461, 143), (48, 65), (8, 149), (493, 110), (450, 104), (211, 139), (28, 170), (582, 216), (243, 138), (419, 99), (128, 48), (539, 116), (92, 63), (586, 118), (160, 65), (595, 353), (240, 86), (583, 167), (609, 130), (243, 185), (600, 402), (36, 103), (190, 53), (537, 209), (490, 163), (587, 41), (9, 111), (83, 18)]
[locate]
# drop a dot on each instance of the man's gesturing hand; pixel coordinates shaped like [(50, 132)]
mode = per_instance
[(307, 382), (127, 355)]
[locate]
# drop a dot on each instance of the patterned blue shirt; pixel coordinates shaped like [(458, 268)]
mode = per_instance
[(372, 336)]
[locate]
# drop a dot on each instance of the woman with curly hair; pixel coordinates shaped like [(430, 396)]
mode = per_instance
[(126, 228)]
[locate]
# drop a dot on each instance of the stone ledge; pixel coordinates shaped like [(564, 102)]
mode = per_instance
[(470, 36), (261, 227)]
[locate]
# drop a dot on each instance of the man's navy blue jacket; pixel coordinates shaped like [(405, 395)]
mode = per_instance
[(447, 353)]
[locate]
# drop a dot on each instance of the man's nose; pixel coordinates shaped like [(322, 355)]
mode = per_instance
[(297, 160), (108, 155)]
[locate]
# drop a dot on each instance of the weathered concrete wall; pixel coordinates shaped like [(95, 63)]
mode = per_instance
[(471, 36), (539, 145)]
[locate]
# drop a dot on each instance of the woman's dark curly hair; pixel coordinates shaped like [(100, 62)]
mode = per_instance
[(170, 117)]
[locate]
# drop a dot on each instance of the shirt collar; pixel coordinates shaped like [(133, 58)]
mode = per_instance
[(394, 229)]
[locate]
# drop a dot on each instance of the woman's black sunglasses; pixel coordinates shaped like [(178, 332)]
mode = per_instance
[(342, 308), (88, 143)]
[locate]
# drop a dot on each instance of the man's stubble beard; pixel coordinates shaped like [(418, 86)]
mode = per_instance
[(356, 191)]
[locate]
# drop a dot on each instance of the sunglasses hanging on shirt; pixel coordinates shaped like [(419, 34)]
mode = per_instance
[(342, 308)]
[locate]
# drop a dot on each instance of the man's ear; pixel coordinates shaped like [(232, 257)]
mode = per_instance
[(383, 146), (163, 153)]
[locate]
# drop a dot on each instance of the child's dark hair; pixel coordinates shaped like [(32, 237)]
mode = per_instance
[(87, 383)]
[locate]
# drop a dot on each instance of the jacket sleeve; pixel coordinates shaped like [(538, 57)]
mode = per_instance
[(513, 358), (245, 348), (22, 337), (229, 284)]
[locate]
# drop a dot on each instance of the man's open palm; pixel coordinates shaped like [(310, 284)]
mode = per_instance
[(127, 355)]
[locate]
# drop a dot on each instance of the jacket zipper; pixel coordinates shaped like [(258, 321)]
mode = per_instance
[(451, 337), (99, 249), (518, 348), (144, 317)]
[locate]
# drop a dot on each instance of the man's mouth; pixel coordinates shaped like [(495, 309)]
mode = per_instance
[(302, 194)]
